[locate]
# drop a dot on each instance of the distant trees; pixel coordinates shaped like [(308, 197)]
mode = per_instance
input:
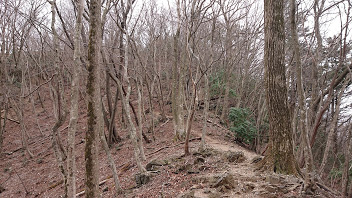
[(146, 65)]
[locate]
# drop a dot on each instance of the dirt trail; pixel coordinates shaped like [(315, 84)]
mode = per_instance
[(247, 182), (225, 146), (243, 172)]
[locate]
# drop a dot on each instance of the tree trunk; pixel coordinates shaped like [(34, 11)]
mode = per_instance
[(316, 61), (112, 107), (4, 105), (301, 98), (332, 130), (205, 112), (280, 156), (72, 127), (19, 114), (31, 97), (111, 163), (261, 111), (125, 99), (1, 125), (140, 125), (225, 105), (191, 112), (95, 114), (347, 153), (177, 102), (227, 70)]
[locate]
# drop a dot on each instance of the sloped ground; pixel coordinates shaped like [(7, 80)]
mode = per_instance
[(239, 178), (224, 169)]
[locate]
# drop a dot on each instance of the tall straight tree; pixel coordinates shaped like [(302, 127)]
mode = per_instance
[(280, 156), (95, 114), (71, 162), (308, 156)]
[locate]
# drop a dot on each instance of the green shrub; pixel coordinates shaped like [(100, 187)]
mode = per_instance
[(217, 85), (335, 173), (242, 125)]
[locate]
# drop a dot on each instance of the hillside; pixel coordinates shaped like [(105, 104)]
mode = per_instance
[(99, 97), (224, 169)]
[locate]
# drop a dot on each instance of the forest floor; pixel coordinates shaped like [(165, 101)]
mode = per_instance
[(223, 169)]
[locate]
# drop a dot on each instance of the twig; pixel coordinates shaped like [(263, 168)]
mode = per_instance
[(165, 122), (27, 192), (30, 93), (172, 146), (12, 152), (56, 184), (6, 179), (12, 120), (100, 183), (64, 129)]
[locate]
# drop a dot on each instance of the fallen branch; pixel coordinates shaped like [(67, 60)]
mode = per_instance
[(327, 189), (56, 184), (165, 123), (124, 168), (100, 183), (12, 120), (218, 125), (12, 152), (172, 146), (64, 129)]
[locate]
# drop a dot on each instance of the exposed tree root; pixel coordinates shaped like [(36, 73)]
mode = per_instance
[(267, 164)]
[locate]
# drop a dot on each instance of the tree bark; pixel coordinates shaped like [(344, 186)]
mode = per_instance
[(227, 69), (95, 114), (347, 153), (3, 121), (190, 118), (140, 125), (280, 157), (316, 61), (205, 112), (1, 125), (177, 102), (118, 188), (72, 128)]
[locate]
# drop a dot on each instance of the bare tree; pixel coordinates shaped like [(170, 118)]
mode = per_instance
[(177, 76), (95, 116), (332, 129), (347, 153), (71, 162), (279, 156), (308, 156)]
